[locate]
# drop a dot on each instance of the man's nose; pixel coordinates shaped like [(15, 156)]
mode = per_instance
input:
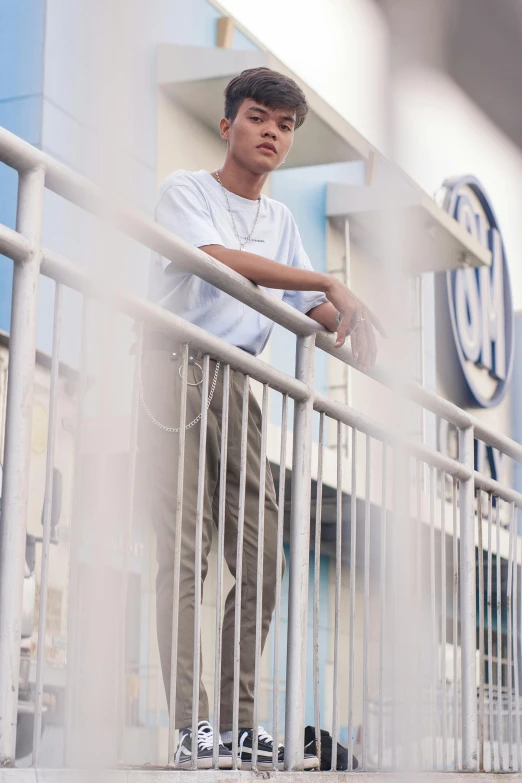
[(270, 132)]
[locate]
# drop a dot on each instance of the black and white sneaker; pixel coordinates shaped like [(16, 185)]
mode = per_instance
[(183, 755), (265, 748)]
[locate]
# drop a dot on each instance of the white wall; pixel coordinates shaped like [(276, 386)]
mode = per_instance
[(339, 47), (440, 133)]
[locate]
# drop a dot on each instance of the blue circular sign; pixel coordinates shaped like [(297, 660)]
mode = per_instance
[(480, 301)]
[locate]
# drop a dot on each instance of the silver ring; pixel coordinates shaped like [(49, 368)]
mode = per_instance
[(188, 382)]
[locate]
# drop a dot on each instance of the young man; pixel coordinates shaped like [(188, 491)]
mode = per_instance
[(225, 214)]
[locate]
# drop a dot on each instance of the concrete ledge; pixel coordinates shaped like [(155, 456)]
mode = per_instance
[(153, 775)]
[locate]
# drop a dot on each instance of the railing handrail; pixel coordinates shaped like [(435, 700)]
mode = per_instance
[(82, 192)]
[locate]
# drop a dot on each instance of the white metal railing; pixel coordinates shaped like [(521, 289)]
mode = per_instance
[(433, 546)]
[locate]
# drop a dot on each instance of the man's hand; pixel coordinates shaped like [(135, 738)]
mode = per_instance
[(357, 322)]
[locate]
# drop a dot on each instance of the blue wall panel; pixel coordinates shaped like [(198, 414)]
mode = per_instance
[(303, 190), (21, 63)]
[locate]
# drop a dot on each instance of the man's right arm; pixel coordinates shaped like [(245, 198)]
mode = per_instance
[(271, 274)]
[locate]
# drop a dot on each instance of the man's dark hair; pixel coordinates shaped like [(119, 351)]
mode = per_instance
[(267, 87)]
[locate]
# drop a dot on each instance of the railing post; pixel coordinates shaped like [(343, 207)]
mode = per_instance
[(22, 345), (299, 562), (468, 604)]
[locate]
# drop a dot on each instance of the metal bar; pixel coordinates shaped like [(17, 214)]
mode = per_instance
[(73, 578), (499, 644), (433, 657), (509, 587), (46, 536), (299, 562), (338, 566), (80, 191), (353, 554), (481, 633), (259, 585), (239, 568), (279, 568), (198, 555), (59, 268), (383, 603), (468, 608), (443, 618), (17, 453), (366, 621), (13, 245), (490, 632), (490, 485), (419, 482), (317, 581), (517, 659), (455, 585), (220, 559), (127, 532), (177, 555)]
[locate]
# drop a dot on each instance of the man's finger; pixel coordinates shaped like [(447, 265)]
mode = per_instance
[(342, 329), (354, 328), (372, 344)]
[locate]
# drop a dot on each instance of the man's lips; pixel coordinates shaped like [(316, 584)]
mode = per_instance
[(268, 147)]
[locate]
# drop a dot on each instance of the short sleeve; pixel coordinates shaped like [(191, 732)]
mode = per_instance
[(184, 211), (302, 300)]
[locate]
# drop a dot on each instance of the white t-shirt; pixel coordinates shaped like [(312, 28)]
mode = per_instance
[(192, 205)]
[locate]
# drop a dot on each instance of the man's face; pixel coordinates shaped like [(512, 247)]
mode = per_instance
[(259, 138)]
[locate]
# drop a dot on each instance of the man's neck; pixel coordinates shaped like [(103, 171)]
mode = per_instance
[(240, 181)]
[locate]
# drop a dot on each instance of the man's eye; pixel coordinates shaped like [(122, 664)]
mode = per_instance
[(255, 118), (285, 127)]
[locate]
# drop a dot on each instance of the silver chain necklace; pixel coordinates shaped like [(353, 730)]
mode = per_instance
[(249, 237)]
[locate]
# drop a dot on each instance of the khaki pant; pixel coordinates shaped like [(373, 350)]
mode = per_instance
[(161, 385)]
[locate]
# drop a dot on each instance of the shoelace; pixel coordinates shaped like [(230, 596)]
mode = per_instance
[(264, 736), (205, 736)]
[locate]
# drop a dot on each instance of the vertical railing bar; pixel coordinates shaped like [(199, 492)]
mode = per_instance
[(383, 603), (490, 632), (259, 585), (468, 603), (509, 587), (299, 559), (499, 645), (393, 609), (17, 451), (127, 532), (46, 535), (481, 631), (72, 574), (517, 659), (220, 558), (317, 583), (418, 554), (338, 565), (353, 544), (433, 479), (197, 554), (366, 622), (443, 616), (455, 584), (279, 566), (239, 569), (177, 555)]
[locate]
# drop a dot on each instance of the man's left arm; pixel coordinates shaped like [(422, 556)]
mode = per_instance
[(325, 314)]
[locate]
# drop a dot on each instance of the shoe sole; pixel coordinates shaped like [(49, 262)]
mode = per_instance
[(268, 765), (223, 763)]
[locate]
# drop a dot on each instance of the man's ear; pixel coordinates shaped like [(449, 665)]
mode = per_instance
[(224, 128)]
